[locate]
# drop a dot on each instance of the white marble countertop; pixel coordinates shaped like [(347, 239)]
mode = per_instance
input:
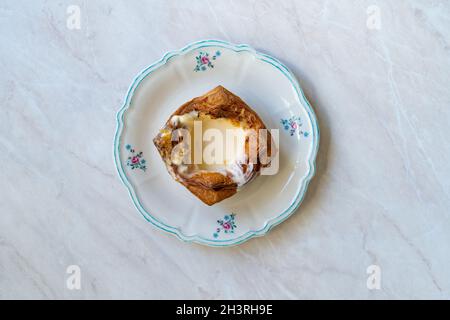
[(377, 74)]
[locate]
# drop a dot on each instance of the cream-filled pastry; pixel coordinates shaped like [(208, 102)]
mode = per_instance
[(207, 143)]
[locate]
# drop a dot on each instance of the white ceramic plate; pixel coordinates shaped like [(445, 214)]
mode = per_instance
[(263, 83)]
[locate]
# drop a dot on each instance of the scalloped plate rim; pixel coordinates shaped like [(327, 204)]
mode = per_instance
[(269, 224)]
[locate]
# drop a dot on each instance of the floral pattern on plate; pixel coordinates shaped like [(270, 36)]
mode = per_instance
[(135, 159), (226, 225), (204, 60), (294, 124)]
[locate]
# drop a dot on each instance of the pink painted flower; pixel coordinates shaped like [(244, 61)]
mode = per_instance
[(205, 60), (226, 226), (294, 125), (135, 160)]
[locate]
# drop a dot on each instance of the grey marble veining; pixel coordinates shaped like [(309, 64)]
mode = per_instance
[(381, 195)]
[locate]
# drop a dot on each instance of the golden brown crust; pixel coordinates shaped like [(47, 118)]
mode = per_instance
[(210, 187), (211, 197), (221, 103)]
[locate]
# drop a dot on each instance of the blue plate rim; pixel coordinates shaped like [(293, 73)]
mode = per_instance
[(311, 157)]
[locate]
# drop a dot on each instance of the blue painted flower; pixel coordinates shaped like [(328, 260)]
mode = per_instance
[(227, 225), (294, 124), (135, 159), (204, 61)]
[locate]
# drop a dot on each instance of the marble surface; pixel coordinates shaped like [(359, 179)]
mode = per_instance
[(377, 74)]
